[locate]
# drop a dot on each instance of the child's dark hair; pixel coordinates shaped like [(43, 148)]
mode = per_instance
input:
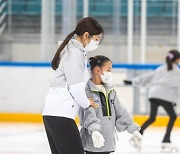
[(87, 24), (171, 57), (98, 60)]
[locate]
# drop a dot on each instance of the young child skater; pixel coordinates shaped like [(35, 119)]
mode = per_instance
[(164, 85), (99, 124)]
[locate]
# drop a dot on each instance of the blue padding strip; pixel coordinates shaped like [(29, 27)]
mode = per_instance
[(25, 64), (47, 64)]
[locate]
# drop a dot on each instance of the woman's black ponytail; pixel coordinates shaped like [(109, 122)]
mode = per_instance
[(56, 59), (171, 57), (169, 63)]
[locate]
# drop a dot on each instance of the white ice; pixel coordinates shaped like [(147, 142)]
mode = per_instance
[(23, 138)]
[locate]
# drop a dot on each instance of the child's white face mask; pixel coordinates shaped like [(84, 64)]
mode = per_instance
[(106, 77), (92, 45)]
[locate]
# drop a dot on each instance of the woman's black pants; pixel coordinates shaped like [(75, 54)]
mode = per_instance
[(63, 135)]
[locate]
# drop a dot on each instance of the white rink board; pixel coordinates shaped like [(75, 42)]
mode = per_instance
[(23, 89)]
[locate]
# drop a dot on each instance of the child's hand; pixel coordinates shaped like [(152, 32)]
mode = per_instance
[(92, 103), (136, 140), (137, 135), (98, 139)]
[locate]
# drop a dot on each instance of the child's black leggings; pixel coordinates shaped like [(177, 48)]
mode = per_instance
[(169, 108)]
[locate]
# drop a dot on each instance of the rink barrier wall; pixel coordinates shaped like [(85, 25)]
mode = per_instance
[(37, 118)]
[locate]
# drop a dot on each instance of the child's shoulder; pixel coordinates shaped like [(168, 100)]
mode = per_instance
[(109, 86)]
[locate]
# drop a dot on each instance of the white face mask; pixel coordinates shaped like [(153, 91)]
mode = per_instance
[(106, 77), (92, 45)]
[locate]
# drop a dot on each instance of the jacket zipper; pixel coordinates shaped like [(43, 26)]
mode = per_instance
[(106, 97)]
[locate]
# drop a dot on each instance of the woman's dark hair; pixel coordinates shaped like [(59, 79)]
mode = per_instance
[(98, 60), (171, 57), (87, 24)]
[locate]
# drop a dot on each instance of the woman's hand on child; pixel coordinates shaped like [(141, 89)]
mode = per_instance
[(98, 139), (92, 103), (127, 82)]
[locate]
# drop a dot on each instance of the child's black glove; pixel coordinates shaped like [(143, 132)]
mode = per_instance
[(127, 82)]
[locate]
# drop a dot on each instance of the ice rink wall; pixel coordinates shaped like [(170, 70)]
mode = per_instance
[(25, 85)]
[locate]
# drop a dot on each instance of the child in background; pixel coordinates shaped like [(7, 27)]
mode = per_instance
[(99, 124), (164, 86)]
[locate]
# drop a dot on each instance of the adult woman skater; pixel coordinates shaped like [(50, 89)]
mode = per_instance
[(67, 93), (164, 86)]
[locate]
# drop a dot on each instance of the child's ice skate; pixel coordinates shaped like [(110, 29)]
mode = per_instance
[(168, 147), (135, 143)]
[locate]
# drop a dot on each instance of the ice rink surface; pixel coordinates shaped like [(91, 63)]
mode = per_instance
[(25, 138)]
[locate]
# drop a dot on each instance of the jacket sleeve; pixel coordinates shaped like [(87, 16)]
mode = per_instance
[(73, 68), (124, 120), (78, 93), (143, 80), (90, 120)]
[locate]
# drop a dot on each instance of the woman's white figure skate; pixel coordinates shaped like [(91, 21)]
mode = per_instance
[(136, 140), (168, 147)]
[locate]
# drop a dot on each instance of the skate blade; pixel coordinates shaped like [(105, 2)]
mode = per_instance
[(169, 150)]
